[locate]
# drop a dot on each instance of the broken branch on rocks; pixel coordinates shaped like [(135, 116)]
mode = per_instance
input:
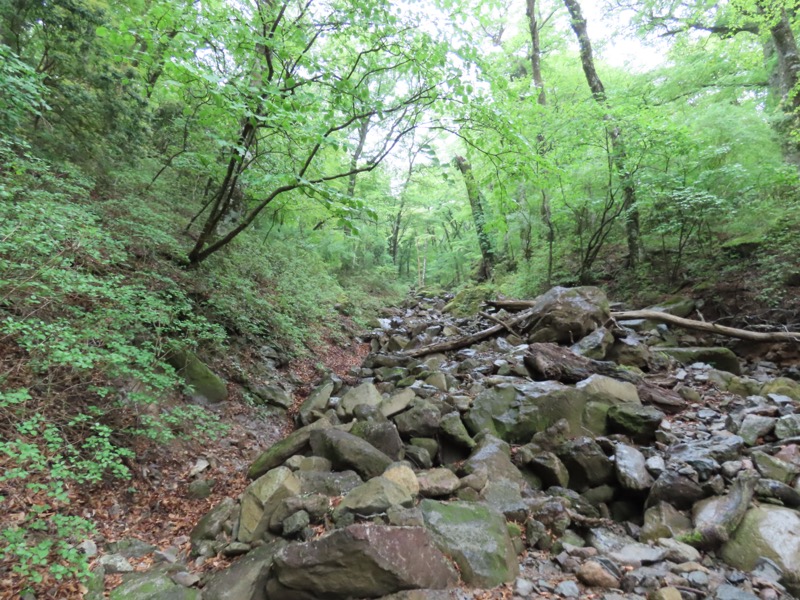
[(743, 334)]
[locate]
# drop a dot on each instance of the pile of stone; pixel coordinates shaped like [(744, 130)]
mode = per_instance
[(433, 476)]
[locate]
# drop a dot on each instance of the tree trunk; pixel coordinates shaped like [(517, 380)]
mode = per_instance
[(788, 82), (478, 216), (541, 99), (631, 212)]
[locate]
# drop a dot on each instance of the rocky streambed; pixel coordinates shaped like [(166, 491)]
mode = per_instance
[(566, 456)]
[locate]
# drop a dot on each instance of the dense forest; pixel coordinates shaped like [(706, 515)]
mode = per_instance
[(228, 178)]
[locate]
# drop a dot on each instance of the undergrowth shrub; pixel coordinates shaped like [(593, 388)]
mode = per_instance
[(82, 340)]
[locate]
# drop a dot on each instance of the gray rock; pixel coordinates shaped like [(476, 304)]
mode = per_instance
[(568, 589), (664, 521), (730, 592), (609, 391), (565, 315), (261, 498), (787, 426), (317, 401), (329, 484), (347, 451), (720, 358), (292, 444), (772, 467), (638, 422), (131, 547), (715, 519), (375, 496), (366, 393), (453, 428), (274, 395), (629, 465), (549, 468), (359, 561), (493, 457), (246, 579), (769, 488), (678, 490), (588, 466), (421, 420), (419, 457), (755, 426), (212, 524), (115, 563), (434, 483), (771, 532), (152, 585), (397, 402), (595, 345), (383, 436), (476, 538)]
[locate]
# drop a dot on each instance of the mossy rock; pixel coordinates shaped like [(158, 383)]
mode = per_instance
[(469, 300), (783, 386), (720, 358), (203, 381), (745, 245)]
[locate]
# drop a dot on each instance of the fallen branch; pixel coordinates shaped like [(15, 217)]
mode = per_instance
[(512, 305), (742, 334), (500, 322), (468, 340)]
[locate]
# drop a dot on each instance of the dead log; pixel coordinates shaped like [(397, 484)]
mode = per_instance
[(743, 334), (468, 340), (512, 305), (548, 362)]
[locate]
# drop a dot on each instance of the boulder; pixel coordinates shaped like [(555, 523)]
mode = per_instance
[(720, 358), (476, 537), (565, 315), (771, 532), (366, 393), (664, 521), (638, 422), (515, 412), (262, 498), (329, 484), (754, 427), (452, 427), (382, 435), (421, 420), (549, 468), (629, 465), (675, 489), (715, 519), (493, 457), (595, 345), (347, 451), (317, 401), (279, 452), (588, 466), (404, 476), (375, 496), (205, 384), (787, 426), (397, 403), (609, 391), (676, 305), (274, 395), (434, 483), (211, 525), (360, 561), (152, 585), (782, 386), (246, 579)]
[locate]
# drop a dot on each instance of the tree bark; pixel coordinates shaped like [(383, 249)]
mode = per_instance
[(631, 212), (478, 216)]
